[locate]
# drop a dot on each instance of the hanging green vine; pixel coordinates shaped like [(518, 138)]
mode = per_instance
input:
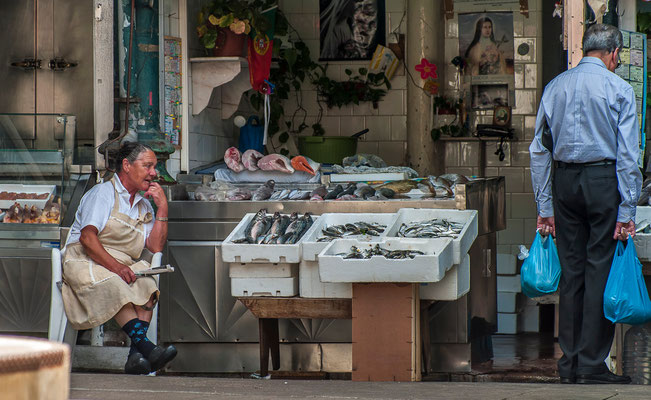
[(295, 67)]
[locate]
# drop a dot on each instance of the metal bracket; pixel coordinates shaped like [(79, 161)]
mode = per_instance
[(27, 64), (448, 6), (524, 8)]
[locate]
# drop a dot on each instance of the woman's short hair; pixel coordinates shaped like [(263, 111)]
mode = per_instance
[(602, 37), (130, 151)]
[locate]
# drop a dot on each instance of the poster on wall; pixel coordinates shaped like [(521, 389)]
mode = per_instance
[(350, 29), (486, 43)]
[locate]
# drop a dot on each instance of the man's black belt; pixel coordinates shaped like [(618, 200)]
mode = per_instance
[(562, 164)]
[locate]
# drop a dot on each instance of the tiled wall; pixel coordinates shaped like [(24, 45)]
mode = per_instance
[(388, 123)]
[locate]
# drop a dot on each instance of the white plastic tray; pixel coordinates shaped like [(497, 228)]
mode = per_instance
[(643, 240), (259, 253), (254, 287), (18, 188), (310, 284), (454, 284), (461, 244), (430, 267), (312, 248), (263, 270)]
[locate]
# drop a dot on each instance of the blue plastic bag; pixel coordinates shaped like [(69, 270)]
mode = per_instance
[(541, 270), (251, 135), (626, 300)]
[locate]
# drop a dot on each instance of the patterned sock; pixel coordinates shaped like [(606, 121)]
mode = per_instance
[(137, 331), (133, 348)]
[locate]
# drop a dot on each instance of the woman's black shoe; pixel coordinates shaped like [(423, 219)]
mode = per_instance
[(160, 356), (137, 365), (603, 378)]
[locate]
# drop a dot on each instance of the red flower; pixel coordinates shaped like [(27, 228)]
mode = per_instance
[(426, 69)]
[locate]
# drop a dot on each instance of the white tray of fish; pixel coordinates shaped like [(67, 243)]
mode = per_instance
[(361, 226), (264, 238), (642, 237), (425, 260), (454, 284), (425, 223), (25, 195)]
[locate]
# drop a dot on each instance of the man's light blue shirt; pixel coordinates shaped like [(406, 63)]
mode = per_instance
[(592, 117)]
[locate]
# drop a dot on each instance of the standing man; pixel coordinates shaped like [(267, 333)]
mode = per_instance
[(591, 114)]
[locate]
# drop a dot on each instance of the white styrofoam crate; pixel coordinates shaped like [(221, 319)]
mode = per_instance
[(507, 323), (643, 240), (255, 270), (259, 253), (509, 283), (461, 244), (506, 264), (310, 284), (454, 284), (18, 188), (430, 267), (256, 287), (506, 302), (312, 248)]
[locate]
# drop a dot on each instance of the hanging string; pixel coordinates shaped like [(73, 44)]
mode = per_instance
[(267, 116)]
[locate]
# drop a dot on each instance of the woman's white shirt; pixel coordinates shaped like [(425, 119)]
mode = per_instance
[(96, 205)]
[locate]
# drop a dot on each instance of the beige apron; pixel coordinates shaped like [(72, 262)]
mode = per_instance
[(91, 293)]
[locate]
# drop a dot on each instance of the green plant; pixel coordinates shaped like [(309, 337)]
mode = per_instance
[(446, 105), (359, 88), (451, 129), (237, 15)]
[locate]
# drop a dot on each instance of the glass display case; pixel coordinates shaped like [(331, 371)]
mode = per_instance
[(35, 162)]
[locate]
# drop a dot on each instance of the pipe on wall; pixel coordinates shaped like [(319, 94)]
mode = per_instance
[(425, 39)]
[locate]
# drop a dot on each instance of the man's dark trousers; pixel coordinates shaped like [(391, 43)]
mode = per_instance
[(586, 201)]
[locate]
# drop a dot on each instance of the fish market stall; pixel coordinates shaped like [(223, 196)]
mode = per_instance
[(200, 315)]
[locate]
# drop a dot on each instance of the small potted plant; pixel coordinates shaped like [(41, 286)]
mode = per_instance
[(446, 106), (224, 24)]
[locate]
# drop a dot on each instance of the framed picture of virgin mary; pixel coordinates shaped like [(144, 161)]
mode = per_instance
[(486, 43)]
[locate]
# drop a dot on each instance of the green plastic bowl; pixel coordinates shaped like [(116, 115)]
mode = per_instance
[(327, 149)]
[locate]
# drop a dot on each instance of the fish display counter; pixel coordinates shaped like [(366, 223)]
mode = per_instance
[(200, 315)]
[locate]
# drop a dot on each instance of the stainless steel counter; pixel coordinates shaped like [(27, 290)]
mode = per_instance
[(200, 316)]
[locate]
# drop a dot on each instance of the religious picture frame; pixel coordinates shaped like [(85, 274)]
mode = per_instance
[(502, 116), (350, 29)]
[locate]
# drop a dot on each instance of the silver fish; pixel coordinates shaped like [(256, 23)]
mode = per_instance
[(264, 192)]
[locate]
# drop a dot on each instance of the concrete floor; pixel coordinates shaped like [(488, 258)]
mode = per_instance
[(118, 387)]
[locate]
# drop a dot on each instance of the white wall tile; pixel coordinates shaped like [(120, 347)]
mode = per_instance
[(452, 27), (398, 127), (509, 283), (392, 152), (520, 154), (379, 128), (330, 125), (529, 127), (350, 125), (391, 103), (367, 147), (451, 153), (506, 264), (513, 233), (394, 5), (531, 76), (514, 177), (523, 205), (525, 102), (292, 6), (469, 154), (507, 323)]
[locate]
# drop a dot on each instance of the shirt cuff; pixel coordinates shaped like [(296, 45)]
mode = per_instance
[(626, 214), (546, 208)]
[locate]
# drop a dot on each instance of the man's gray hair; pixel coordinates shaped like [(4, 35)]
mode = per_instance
[(602, 37)]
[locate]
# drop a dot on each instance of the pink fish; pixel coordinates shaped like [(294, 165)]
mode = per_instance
[(233, 158), (275, 162), (316, 197), (347, 197), (250, 159)]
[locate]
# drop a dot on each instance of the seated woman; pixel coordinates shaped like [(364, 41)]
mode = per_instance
[(113, 225)]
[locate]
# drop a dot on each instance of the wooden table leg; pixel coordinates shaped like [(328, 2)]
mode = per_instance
[(269, 342), (424, 336), (274, 343)]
